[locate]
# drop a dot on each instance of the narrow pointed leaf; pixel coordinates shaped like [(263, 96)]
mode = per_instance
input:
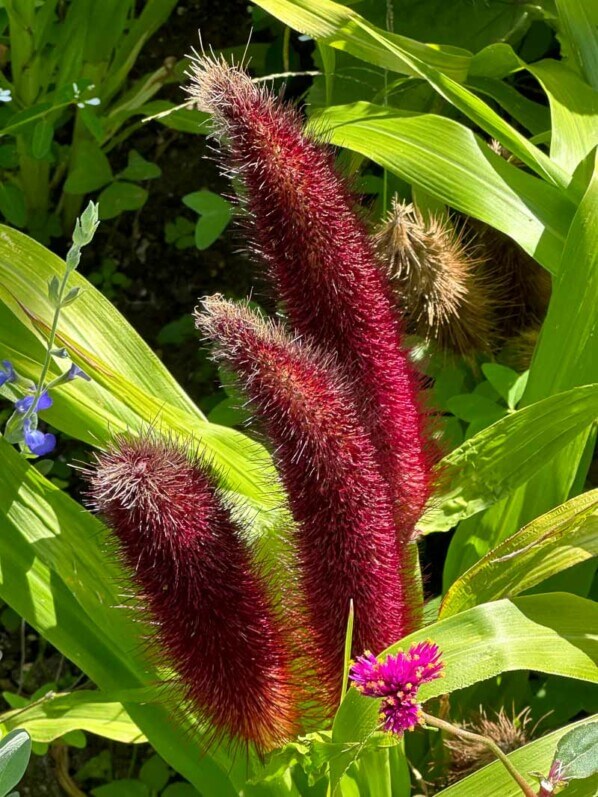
[(559, 539), (548, 633), (505, 455), (94, 712), (450, 162)]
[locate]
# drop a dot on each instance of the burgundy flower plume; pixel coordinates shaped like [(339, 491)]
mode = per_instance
[(199, 588), (346, 543), (323, 266)]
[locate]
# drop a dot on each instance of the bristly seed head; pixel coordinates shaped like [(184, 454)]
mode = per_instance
[(346, 542), (199, 588), (438, 279), (322, 265)]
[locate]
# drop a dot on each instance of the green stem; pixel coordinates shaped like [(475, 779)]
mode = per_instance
[(52, 336), (434, 722)]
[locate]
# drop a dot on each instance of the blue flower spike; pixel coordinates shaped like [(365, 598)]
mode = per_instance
[(38, 442), (44, 403), (7, 373)]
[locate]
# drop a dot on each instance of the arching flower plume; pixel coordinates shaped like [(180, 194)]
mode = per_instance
[(199, 588), (323, 266), (346, 542)]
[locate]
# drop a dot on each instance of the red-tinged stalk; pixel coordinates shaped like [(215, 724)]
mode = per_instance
[(345, 539), (323, 266), (199, 588)]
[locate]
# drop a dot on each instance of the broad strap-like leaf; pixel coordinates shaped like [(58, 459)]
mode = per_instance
[(342, 28), (494, 780), (549, 633), (502, 457), (579, 22), (450, 162), (566, 356), (130, 388), (573, 110), (553, 542), (95, 712)]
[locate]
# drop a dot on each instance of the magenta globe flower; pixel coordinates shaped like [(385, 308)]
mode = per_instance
[(397, 679)]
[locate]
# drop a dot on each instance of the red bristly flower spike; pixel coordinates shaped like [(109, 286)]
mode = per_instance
[(323, 266), (198, 587), (346, 542)]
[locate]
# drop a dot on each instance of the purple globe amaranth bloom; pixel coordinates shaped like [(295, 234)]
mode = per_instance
[(7, 373), (396, 680), (322, 264), (43, 403), (39, 443)]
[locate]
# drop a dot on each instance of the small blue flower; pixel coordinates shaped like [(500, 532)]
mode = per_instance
[(38, 442), (44, 403), (75, 371), (7, 373), (5, 95)]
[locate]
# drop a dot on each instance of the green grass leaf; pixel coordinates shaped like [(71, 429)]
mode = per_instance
[(573, 110), (579, 19), (504, 456), (494, 780), (450, 162), (566, 356), (95, 712), (343, 28), (559, 539), (131, 388)]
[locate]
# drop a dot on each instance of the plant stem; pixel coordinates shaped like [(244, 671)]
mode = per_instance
[(434, 722), (48, 358)]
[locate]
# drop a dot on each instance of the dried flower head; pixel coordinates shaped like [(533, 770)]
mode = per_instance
[(510, 732), (518, 351), (522, 286), (345, 539), (438, 279), (397, 680), (198, 587), (322, 264)]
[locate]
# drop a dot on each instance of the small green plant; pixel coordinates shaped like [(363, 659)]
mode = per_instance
[(15, 750), (67, 101), (214, 214)]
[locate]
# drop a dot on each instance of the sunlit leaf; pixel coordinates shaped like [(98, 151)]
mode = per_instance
[(557, 540)]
